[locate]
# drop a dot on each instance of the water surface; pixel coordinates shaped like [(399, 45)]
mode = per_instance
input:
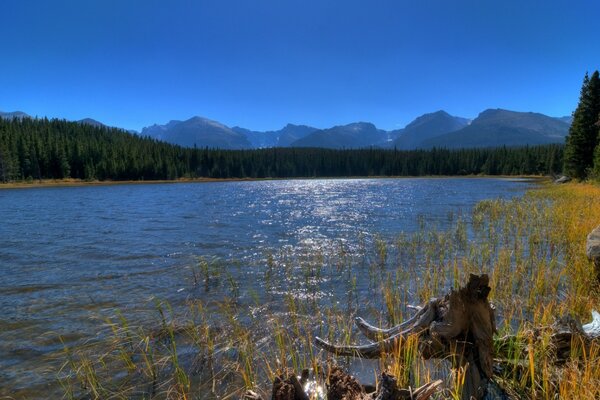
[(70, 256)]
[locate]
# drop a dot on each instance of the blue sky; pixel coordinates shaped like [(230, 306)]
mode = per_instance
[(261, 64)]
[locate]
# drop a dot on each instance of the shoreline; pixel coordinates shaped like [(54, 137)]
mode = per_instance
[(48, 183)]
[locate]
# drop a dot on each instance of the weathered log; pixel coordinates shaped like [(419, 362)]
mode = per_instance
[(458, 327), (562, 179), (341, 386), (389, 339)]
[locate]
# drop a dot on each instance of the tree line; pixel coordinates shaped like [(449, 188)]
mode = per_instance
[(582, 149), (32, 149)]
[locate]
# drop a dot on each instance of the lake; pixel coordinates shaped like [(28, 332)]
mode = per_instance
[(69, 257)]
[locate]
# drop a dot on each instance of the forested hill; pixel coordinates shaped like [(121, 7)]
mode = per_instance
[(56, 149)]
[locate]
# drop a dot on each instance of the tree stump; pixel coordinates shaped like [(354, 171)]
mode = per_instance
[(458, 327)]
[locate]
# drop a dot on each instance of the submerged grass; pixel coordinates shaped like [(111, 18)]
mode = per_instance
[(533, 249)]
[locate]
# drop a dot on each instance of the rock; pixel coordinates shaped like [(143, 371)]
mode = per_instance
[(562, 179), (592, 250), (592, 329)]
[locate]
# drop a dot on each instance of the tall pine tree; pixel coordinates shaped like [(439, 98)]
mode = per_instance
[(583, 134), (597, 152)]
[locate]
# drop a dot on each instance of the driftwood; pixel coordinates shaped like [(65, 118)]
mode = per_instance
[(562, 179), (460, 327), (341, 386)]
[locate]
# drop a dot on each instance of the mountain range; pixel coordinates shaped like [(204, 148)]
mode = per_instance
[(491, 128)]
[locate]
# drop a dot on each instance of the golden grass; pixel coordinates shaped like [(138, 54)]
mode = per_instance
[(533, 248)]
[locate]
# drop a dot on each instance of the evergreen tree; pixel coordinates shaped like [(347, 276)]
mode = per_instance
[(583, 134), (597, 152), (55, 149)]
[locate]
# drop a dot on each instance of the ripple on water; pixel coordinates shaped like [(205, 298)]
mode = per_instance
[(71, 257)]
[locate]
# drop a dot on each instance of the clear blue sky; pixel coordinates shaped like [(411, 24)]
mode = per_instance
[(260, 64)]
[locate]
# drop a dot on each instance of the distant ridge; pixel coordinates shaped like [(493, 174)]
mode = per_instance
[(567, 119), (284, 137), (491, 128), (199, 132), (92, 122), (13, 114), (498, 127), (351, 136)]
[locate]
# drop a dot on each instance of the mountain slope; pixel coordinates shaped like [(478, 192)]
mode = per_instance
[(568, 119), (198, 131), (497, 127), (13, 114), (351, 136), (258, 139), (91, 122), (290, 133), (426, 127), (280, 138)]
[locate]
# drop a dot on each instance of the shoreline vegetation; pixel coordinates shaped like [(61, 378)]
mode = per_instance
[(532, 248), (70, 182)]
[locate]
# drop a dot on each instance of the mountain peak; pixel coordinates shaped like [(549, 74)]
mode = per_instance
[(428, 126), (197, 120), (198, 131), (440, 114), (360, 125)]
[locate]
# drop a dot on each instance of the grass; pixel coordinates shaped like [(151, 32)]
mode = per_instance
[(533, 249)]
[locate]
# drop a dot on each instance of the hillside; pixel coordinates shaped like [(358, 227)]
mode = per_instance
[(351, 136), (428, 126), (13, 114), (280, 138), (199, 132), (497, 127)]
